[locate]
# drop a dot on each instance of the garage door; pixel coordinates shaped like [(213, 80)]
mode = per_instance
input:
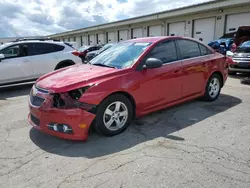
[(137, 33), (84, 40), (111, 37), (204, 28), (154, 31), (234, 21), (100, 38), (78, 42), (123, 35), (176, 29), (91, 39)]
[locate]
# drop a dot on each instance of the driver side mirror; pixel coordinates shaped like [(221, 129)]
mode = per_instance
[(152, 63), (1, 57), (229, 54)]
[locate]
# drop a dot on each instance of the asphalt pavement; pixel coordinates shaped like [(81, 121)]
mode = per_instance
[(196, 144)]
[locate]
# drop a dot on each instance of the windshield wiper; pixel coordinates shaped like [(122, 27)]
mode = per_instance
[(103, 65)]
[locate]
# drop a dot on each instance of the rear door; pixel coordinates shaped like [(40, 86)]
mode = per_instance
[(195, 62), (44, 57), (16, 66), (160, 85)]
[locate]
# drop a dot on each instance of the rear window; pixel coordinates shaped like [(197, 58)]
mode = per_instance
[(43, 48)]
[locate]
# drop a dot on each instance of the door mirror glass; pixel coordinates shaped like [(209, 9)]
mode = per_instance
[(2, 57), (152, 63), (229, 53)]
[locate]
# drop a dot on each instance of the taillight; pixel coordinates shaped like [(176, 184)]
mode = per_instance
[(76, 53)]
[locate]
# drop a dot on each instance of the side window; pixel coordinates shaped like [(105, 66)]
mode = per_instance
[(11, 52), (43, 48), (188, 49), (204, 50), (165, 51)]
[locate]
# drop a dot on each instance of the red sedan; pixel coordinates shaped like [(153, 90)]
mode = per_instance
[(130, 79)]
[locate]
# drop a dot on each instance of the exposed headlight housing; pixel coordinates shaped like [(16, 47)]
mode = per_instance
[(70, 99), (77, 93)]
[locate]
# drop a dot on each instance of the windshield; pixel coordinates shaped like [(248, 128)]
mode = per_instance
[(121, 55), (246, 44), (244, 48), (106, 46)]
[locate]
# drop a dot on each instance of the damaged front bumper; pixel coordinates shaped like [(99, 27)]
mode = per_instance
[(73, 123)]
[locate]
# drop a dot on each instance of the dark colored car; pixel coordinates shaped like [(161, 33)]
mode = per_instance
[(242, 35), (91, 55), (128, 80), (241, 59), (82, 52)]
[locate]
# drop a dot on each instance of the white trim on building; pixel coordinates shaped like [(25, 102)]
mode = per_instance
[(182, 22)]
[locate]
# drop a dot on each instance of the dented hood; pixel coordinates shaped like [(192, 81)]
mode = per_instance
[(73, 77)]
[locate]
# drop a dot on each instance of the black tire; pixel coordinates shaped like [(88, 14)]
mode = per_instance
[(99, 120), (232, 73), (207, 96)]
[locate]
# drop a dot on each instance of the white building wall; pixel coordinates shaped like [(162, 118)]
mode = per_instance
[(164, 19)]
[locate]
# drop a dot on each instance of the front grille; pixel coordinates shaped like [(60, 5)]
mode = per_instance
[(36, 101), (240, 66), (35, 120)]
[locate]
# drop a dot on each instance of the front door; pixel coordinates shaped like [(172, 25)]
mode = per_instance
[(161, 85), (16, 65)]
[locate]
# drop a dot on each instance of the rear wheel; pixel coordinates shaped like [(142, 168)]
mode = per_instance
[(213, 88), (114, 115)]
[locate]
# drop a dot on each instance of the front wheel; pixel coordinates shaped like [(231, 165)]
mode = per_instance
[(213, 88), (114, 115)]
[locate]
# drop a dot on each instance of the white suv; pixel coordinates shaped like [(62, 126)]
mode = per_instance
[(26, 60)]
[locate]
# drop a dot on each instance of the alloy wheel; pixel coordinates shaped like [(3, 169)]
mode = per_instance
[(115, 116), (214, 87)]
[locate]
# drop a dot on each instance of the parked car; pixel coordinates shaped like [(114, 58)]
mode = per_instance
[(128, 80), (28, 59), (91, 55), (82, 52), (224, 43), (240, 59), (242, 35)]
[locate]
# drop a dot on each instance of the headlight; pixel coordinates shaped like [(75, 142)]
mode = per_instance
[(77, 93)]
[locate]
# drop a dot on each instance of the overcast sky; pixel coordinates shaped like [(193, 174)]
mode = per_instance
[(43, 17)]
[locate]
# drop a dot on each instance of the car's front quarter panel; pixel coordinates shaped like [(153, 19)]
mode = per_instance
[(132, 83), (107, 86)]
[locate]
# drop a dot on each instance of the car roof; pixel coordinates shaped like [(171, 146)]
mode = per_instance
[(36, 41), (156, 39)]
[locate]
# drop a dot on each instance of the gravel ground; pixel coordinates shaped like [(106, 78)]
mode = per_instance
[(196, 144)]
